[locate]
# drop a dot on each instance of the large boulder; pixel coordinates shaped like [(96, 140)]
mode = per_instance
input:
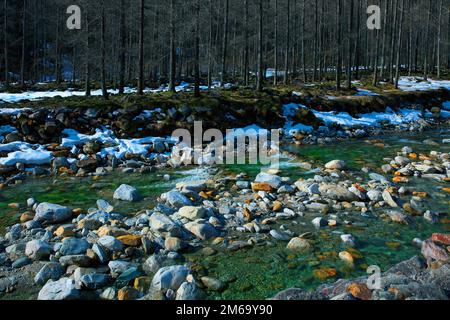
[(52, 213), (63, 289), (335, 165), (127, 193), (170, 278), (38, 250)]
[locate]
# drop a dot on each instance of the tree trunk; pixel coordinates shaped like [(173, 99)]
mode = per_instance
[(197, 49), (103, 51), (438, 53), (88, 49), (393, 38), (210, 44), (288, 42), (141, 47), (24, 26), (57, 49), (246, 46), (225, 44), (349, 47), (303, 41), (123, 42), (173, 63), (384, 41), (427, 35), (339, 45), (275, 76), (399, 45), (5, 44), (260, 81)]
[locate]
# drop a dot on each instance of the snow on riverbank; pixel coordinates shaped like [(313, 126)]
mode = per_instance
[(418, 84), (343, 119), (21, 152)]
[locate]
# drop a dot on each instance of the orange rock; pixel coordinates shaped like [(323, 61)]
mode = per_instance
[(77, 212), (420, 194), (446, 190), (359, 291), (64, 232), (325, 273), (13, 205), (26, 216), (400, 180), (277, 206), (126, 294), (247, 215), (203, 195), (346, 257), (257, 186), (130, 240), (413, 155), (358, 187), (142, 283), (446, 179), (2, 186), (423, 157), (441, 238)]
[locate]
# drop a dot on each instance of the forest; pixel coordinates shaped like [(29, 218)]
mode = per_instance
[(149, 42)]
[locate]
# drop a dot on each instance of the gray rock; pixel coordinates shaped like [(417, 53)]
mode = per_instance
[(117, 267), (21, 262), (176, 199), (110, 243), (273, 180), (213, 284), (279, 235), (192, 213), (335, 165), (170, 278), (63, 289), (52, 213), (337, 193), (188, 292), (374, 195), (94, 281), (102, 255), (76, 260), (50, 271), (103, 205), (319, 222), (203, 231), (161, 223), (389, 199), (38, 250), (127, 193), (74, 246)]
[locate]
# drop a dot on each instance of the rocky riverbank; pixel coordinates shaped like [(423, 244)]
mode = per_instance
[(76, 253)]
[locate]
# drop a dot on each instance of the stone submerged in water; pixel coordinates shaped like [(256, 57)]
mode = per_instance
[(52, 213), (299, 244), (335, 165), (127, 193)]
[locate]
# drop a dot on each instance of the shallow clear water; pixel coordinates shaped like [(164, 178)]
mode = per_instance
[(261, 272)]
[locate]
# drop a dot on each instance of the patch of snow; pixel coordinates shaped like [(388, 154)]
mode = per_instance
[(365, 93), (418, 84), (11, 111), (21, 152)]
